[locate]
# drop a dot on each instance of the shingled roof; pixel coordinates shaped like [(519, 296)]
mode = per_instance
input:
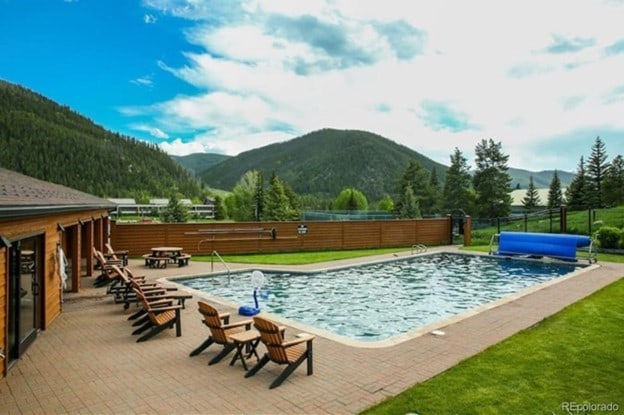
[(22, 195)]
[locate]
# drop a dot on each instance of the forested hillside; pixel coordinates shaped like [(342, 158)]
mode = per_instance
[(51, 142), (198, 162), (324, 162)]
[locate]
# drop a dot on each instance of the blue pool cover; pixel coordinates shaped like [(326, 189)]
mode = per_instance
[(560, 246)]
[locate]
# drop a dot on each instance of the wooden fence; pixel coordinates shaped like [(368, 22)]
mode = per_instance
[(268, 237)]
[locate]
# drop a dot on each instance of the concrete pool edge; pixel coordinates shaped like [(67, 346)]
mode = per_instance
[(431, 328)]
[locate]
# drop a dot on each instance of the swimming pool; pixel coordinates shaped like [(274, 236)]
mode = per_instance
[(378, 301)]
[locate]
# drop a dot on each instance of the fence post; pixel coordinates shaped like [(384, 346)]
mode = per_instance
[(526, 223), (563, 219), (467, 230), (589, 221), (497, 225)]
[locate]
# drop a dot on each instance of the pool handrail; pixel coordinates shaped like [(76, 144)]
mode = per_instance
[(419, 248), (212, 255)]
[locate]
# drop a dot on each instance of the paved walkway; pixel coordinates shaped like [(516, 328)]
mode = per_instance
[(88, 362)]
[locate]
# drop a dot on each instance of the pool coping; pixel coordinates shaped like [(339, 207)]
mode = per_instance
[(433, 328)]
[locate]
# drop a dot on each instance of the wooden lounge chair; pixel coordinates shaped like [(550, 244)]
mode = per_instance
[(220, 330), (106, 277), (291, 353), (162, 315)]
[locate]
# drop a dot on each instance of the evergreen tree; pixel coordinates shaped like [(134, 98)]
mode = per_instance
[(456, 193), (555, 196), (613, 185), (491, 180), (531, 200), (294, 202), (414, 177), (259, 196), (220, 211), (175, 212), (435, 193), (409, 208), (578, 192), (596, 167), (276, 201)]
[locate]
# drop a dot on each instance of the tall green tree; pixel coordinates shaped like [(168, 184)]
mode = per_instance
[(531, 199), (555, 195), (577, 194), (220, 212), (613, 185), (276, 202), (175, 211), (435, 193), (294, 202), (259, 196), (596, 169), (350, 199), (409, 208), (456, 192), (491, 180), (416, 178), (241, 204)]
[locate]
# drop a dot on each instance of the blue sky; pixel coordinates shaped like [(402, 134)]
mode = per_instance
[(226, 76)]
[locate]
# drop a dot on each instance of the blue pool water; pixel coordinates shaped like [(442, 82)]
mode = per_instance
[(378, 301)]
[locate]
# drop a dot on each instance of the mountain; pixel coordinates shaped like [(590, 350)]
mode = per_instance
[(45, 140), (324, 162), (541, 179), (198, 162)]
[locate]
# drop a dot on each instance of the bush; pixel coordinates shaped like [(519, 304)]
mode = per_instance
[(609, 237)]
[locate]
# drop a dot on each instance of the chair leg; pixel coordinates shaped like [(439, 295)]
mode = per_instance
[(263, 361), (289, 369), (178, 323), (143, 328), (154, 331), (202, 347), (226, 350), (141, 321)]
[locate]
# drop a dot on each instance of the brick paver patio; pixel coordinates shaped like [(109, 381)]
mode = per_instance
[(88, 362)]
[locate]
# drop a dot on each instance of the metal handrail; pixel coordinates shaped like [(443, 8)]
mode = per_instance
[(212, 255), (492, 241), (419, 248)]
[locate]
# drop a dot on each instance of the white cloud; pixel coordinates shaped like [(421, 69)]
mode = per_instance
[(144, 81), (149, 19), (520, 73)]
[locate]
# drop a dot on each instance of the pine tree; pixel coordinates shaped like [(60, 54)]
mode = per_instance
[(456, 192), (410, 208), (491, 180), (596, 168), (614, 183), (415, 176), (531, 199), (555, 196), (435, 193), (259, 196), (276, 201), (220, 212), (578, 191), (175, 212)]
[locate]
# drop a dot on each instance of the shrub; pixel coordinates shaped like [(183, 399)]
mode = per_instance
[(609, 237)]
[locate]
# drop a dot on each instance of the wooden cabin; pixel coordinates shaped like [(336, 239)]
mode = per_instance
[(46, 231)]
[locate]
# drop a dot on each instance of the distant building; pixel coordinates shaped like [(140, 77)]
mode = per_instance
[(519, 194)]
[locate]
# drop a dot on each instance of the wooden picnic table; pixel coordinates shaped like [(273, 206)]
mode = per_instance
[(160, 256)]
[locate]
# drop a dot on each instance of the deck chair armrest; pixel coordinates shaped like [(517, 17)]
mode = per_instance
[(160, 302), (241, 323), (298, 340), (161, 309), (225, 317)]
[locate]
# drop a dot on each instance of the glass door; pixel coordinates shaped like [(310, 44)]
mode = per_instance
[(25, 276)]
